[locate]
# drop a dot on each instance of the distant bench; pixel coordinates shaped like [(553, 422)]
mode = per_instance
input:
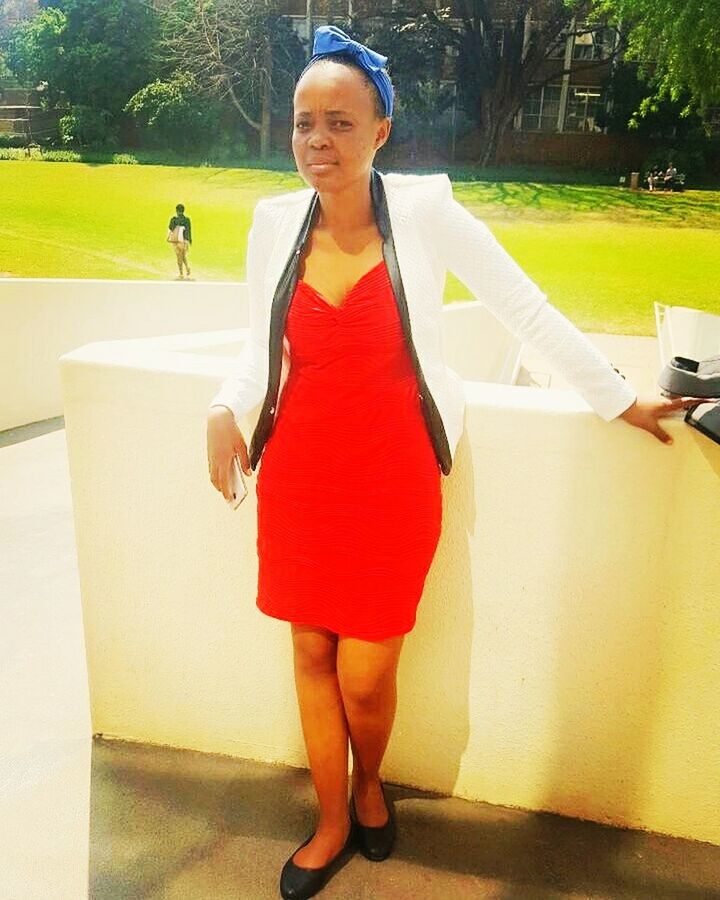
[(675, 184)]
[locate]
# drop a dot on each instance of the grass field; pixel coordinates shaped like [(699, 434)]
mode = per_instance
[(602, 254)]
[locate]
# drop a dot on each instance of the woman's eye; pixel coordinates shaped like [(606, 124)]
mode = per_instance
[(341, 122)]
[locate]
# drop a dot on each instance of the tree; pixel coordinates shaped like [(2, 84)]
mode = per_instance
[(35, 50), (499, 64), (172, 113), (626, 91), (417, 59), (98, 53), (677, 46), (242, 52)]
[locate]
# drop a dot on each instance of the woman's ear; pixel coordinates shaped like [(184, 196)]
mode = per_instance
[(383, 132)]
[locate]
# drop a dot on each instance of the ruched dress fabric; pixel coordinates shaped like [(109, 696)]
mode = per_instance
[(348, 486)]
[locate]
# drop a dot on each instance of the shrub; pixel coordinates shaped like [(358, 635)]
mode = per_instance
[(173, 113), (62, 156), (84, 126), (124, 159), (691, 161)]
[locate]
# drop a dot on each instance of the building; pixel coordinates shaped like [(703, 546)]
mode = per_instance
[(569, 102), (562, 122)]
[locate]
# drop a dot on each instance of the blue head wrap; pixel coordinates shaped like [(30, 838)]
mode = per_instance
[(329, 39)]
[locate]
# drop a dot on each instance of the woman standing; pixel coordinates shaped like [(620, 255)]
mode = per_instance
[(349, 494), (180, 236)]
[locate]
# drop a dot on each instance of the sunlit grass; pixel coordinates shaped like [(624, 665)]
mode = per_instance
[(601, 253)]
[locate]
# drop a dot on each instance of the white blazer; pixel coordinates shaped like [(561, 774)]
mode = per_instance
[(432, 233)]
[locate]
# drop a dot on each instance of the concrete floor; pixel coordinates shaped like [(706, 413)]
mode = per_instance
[(136, 821), (171, 824)]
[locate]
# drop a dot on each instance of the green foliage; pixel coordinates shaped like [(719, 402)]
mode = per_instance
[(12, 153), (235, 67), (36, 50), (5, 69), (97, 53), (174, 113), (690, 160), (677, 46), (416, 53), (85, 126), (663, 117), (68, 156), (124, 159)]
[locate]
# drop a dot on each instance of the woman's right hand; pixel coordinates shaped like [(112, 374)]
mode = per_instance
[(224, 441)]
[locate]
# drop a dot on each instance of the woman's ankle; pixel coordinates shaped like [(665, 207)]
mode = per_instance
[(335, 828), (362, 780)]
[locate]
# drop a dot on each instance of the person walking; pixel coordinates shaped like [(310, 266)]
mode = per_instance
[(180, 236), (359, 420)]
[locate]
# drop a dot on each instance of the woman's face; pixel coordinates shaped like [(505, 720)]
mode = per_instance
[(335, 130)]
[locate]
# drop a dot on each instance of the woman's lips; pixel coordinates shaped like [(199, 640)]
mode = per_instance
[(321, 167)]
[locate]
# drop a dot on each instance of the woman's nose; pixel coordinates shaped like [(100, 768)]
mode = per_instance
[(318, 138)]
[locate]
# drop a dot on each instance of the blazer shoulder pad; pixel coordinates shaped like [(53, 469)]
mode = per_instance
[(424, 192), (433, 182), (288, 198)]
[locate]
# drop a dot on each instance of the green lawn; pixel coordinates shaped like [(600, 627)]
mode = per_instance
[(602, 254)]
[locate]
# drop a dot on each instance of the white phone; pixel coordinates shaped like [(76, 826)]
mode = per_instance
[(237, 484)]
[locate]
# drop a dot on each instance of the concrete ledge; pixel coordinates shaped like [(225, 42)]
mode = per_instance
[(46, 317), (564, 657)]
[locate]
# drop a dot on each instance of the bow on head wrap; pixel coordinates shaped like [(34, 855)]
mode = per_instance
[(329, 39)]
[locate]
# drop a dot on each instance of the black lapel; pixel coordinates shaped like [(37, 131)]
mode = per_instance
[(278, 315), (431, 414)]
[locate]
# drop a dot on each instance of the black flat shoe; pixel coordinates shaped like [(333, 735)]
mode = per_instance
[(376, 842), (298, 883)]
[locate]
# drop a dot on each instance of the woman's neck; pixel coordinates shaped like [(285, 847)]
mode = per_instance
[(350, 209)]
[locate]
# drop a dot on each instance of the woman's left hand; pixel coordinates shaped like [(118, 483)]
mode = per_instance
[(646, 415)]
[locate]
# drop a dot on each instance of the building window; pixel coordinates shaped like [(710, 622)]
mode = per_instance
[(540, 109), (583, 106), (596, 43)]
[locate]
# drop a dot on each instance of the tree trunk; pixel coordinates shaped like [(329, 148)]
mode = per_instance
[(265, 116), (496, 117)]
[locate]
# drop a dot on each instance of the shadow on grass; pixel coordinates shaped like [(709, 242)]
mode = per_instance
[(543, 194), (699, 209)]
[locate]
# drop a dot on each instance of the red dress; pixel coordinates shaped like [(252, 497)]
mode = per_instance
[(349, 500)]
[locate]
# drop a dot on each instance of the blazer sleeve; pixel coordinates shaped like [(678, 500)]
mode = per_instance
[(245, 387), (471, 251)]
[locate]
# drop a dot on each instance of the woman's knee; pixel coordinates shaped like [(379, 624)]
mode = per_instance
[(362, 691), (315, 649), (367, 670)]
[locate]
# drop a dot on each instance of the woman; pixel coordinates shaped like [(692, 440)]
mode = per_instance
[(345, 283), (180, 236)]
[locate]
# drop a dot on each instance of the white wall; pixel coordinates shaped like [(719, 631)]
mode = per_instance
[(45, 317), (565, 654), (684, 331)]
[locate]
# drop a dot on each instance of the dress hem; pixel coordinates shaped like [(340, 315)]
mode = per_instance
[(340, 633)]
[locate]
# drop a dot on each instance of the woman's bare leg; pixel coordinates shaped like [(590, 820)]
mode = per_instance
[(326, 739), (367, 676)]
